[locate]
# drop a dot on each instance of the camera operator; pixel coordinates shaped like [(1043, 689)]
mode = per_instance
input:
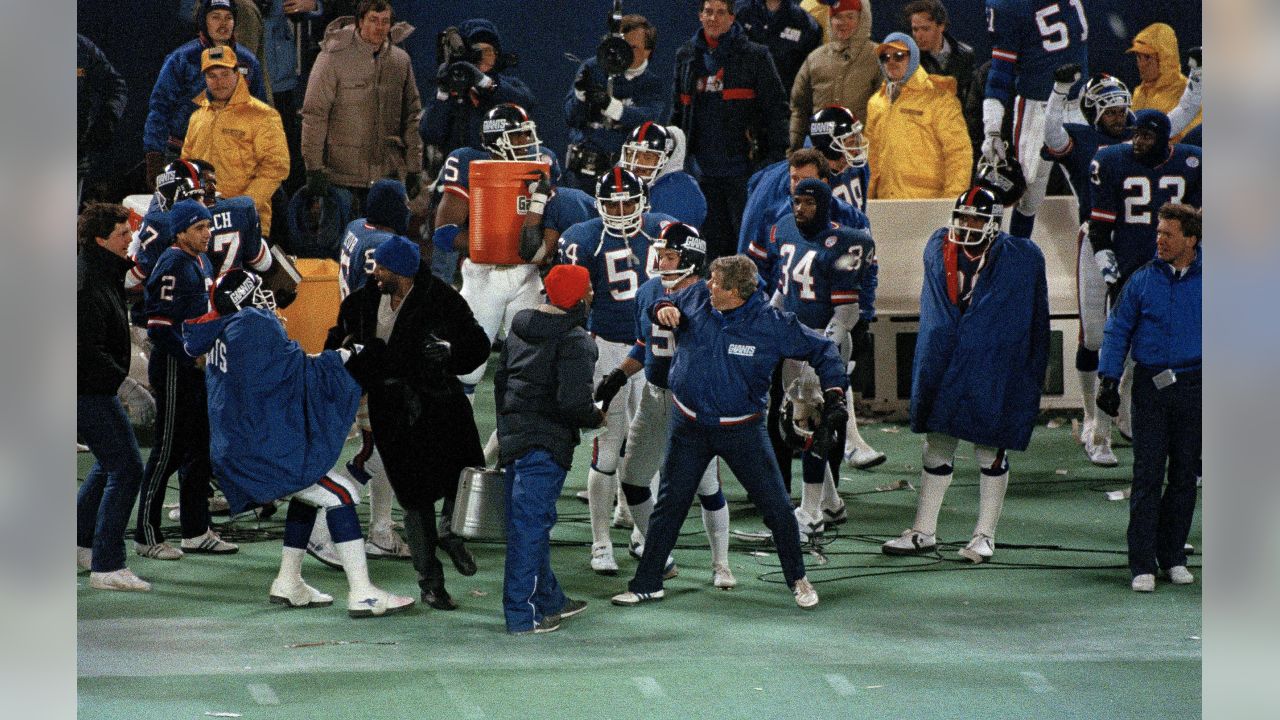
[(606, 104), (470, 81)]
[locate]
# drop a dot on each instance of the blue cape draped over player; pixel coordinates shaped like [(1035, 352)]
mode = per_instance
[(978, 373), (278, 417)]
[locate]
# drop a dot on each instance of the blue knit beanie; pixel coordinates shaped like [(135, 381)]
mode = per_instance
[(400, 255), (387, 205), (187, 213)]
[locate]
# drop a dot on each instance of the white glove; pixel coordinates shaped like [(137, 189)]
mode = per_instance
[(1107, 265)]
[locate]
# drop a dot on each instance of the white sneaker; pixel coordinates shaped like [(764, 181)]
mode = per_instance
[(84, 558), (175, 514), (325, 553), (297, 594), (722, 577), (809, 525), (602, 562), (218, 505), (806, 596), (622, 517), (863, 458), (1144, 583), (910, 542), (122, 579), (629, 598), (1099, 451), (209, 544), (376, 602), (386, 543), (979, 550), (159, 551), (1180, 575)]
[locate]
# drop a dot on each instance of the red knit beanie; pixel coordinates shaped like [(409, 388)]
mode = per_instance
[(566, 285)]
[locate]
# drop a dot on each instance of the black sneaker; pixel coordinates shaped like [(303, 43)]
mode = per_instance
[(463, 561), (439, 599), (572, 607), (550, 623)]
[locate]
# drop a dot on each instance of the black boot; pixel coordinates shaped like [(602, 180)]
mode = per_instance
[(463, 561), (436, 596)]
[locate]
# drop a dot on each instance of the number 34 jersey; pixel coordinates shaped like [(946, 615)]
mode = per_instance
[(618, 267), (815, 275), (1129, 194)]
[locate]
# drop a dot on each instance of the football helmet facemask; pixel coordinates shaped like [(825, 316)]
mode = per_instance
[(614, 190)]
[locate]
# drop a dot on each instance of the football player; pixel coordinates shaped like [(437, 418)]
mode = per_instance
[(278, 420), (494, 292), (617, 249), (1030, 39), (819, 267), (655, 153), (177, 290), (984, 313), (682, 261)]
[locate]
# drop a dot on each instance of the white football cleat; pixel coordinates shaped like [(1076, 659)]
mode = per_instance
[(910, 542), (722, 577), (809, 525), (835, 515), (863, 458), (325, 553), (1144, 583), (602, 562), (979, 550), (376, 602), (386, 543), (297, 594), (1099, 451), (806, 596), (122, 579)]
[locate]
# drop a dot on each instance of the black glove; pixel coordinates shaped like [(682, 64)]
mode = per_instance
[(463, 71), (1067, 73), (435, 352), (365, 361), (609, 387), (317, 183), (859, 339), (583, 82), (598, 99), (540, 185), (155, 166), (412, 184), (1109, 396), (834, 417)]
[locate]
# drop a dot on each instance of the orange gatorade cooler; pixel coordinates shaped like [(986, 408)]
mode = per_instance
[(499, 202)]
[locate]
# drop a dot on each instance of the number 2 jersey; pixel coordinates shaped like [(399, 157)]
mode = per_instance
[(618, 267), (177, 290), (1128, 193)]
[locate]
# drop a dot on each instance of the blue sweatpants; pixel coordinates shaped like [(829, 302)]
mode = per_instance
[(530, 591)]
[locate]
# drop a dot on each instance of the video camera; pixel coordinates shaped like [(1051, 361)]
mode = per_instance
[(452, 48), (614, 55)]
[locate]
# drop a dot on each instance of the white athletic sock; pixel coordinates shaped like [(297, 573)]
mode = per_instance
[(717, 524), (830, 496), (640, 516), (1089, 396), (811, 499), (355, 566), (380, 496), (600, 492), (852, 438), (933, 488), (291, 564), (491, 450), (991, 489)]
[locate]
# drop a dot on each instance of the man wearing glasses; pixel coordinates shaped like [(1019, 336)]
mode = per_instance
[(919, 144)]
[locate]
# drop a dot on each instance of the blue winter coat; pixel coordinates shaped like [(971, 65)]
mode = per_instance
[(977, 375), (278, 418)]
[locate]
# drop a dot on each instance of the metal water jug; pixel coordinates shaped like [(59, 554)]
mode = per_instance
[(480, 512)]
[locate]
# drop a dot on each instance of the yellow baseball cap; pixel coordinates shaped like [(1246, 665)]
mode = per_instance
[(220, 56)]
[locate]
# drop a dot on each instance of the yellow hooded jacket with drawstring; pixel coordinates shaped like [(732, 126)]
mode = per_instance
[(919, 145), (1160, 40)]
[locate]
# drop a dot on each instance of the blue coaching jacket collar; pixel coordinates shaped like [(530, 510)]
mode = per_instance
[(1193, 269), (746, 310)]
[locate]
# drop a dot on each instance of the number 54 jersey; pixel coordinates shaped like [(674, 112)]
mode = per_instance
[(618, 267), (1129, 193)]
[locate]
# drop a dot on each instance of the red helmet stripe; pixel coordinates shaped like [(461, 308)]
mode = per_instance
[(617, 179), (195, 173), (644, 128)]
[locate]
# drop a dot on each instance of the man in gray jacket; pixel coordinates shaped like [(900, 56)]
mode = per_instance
[(543, 392), (360, 114)]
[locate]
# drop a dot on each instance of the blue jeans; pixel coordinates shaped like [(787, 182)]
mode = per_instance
[(745, 449), (530, 590), (106, 497), (1166, 430)]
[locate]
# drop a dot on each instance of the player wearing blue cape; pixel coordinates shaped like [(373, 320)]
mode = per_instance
[(979, 363), (278, 419), (655, 153)]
